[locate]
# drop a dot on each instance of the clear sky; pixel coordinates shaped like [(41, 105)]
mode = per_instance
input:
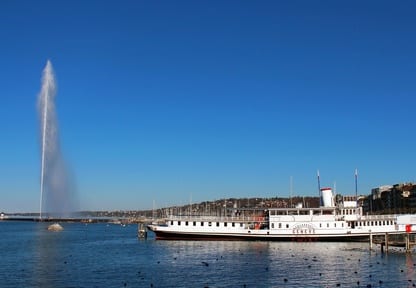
[(168, 102)]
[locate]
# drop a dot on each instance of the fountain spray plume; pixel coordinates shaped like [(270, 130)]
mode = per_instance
[(55, 186)]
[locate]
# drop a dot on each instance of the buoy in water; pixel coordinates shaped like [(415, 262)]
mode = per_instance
[(55, 227)]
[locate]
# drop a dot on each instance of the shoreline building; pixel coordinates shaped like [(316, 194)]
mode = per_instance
[(391, 199)]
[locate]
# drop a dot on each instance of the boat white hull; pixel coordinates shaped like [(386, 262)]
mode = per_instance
[(175, 235)]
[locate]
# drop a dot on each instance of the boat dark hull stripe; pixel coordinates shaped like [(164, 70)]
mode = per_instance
[(160, 235)]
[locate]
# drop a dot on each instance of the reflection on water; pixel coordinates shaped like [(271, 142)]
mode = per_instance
[(46, 254), (101, 255)]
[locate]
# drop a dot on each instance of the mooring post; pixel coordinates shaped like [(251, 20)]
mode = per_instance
[(407, 242), (142, 231), (386, 241), (371, 241)]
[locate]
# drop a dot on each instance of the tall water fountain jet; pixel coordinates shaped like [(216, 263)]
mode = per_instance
[(56, 193)]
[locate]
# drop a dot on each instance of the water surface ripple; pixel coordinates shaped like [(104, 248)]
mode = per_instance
[(108, 255)]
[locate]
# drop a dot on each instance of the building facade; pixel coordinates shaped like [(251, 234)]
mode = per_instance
[(391, 199)]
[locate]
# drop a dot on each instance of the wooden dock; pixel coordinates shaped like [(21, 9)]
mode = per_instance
[(405, 241)]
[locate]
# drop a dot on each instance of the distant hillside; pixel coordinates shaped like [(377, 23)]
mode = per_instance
[(211, 207)]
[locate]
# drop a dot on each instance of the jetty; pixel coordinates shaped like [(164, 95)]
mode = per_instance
[(404, 242)]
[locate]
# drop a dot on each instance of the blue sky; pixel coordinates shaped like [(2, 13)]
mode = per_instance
[(167, 101)]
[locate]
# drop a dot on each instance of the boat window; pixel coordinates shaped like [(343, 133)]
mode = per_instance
[(186, 223), (372, 223), (287, 225), (335, 225), (225, 224), (171, 222), (280, 225), (194, 223), (241, 224), (202, 223), (179, 223), (342, 224), (327, 225), (233, 224), (320, 225), (218, 224), (209, 224)]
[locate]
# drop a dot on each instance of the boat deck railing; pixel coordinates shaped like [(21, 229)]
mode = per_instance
[(199, 218), (378, 217)]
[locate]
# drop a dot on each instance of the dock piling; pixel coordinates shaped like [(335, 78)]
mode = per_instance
[(371, 241), (142, 231)]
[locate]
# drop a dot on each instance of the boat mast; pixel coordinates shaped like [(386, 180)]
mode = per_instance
[(291, 191), (319, 189), (356, 184)]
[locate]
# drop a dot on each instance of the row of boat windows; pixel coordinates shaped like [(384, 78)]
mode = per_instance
[(372, 223), (301, 212), (280, 225), (354, 224), (348, 211), (194, 223), (311, 212)]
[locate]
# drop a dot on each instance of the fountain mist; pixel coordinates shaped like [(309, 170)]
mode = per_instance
[(56, 193)]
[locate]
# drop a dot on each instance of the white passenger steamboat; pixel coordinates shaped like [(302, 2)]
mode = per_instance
[(340, 219)]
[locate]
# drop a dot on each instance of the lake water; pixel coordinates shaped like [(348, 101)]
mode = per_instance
[(109, 255)]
